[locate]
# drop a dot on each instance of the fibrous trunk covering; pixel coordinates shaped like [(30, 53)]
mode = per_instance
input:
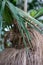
[(13, 56)]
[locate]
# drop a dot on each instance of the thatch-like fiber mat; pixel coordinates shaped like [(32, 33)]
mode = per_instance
[(13, 56)]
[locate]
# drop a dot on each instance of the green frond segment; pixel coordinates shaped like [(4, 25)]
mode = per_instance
[(7, 17), (33, 13), (3, 6), (40, 13), (36, 13), (2, 9)]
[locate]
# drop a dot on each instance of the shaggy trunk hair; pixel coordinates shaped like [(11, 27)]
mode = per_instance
[(13, 56)]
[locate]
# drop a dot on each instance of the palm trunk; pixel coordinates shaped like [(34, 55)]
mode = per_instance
[(13, 56)]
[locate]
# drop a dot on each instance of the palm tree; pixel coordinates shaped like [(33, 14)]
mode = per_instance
[(16, 18)]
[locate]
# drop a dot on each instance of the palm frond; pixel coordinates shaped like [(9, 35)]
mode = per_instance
[(16, 11)]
